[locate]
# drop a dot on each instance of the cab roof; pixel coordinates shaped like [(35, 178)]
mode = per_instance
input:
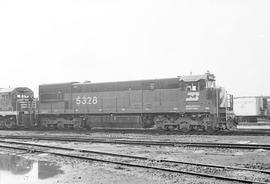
[(194, 78), (9, 90)]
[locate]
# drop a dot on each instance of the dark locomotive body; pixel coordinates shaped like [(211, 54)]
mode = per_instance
[(17, 107), (182, 103)]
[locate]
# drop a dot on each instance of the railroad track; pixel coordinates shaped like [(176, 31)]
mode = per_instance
[(143, 142), (239, 132), (242, 132), (205, 170)]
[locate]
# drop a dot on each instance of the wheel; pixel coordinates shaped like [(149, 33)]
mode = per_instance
[(196, 128), (76, 125), (10, 124), (148, 123), (209, 127), (43, 123), (170, 127), (185, 127), (230, 126), (60, 125)]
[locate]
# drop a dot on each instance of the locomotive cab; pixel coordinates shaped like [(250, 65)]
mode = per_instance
[(205, 105), (197, 82), (196, 103)]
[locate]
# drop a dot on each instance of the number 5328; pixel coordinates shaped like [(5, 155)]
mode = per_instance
[(86, 100)]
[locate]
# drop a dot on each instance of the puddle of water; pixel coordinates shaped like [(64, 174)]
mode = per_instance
[(15, 169)]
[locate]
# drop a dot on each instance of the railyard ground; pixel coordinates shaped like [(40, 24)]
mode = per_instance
[(78, 171)]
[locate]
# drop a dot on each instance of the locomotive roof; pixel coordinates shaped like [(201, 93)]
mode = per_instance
[(145, 80), (6, 90), (52, 84), (9, 90), (185, 78), (191, 78)]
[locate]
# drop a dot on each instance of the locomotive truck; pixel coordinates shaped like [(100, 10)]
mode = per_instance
[(182, 103)]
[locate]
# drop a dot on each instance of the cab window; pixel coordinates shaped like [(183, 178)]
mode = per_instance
[(192, 86), (210, 84)]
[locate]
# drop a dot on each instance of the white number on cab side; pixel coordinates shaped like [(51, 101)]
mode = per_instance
[(89, 100), (83, 100), (86, 100), (94, 100), (78, 100)]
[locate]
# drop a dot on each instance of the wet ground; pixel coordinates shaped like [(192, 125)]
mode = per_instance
[(21, 168), (16, 169), (26, 170)]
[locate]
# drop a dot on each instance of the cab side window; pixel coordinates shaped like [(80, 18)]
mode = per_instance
[(192, 86), (210, 84), (188, 86)]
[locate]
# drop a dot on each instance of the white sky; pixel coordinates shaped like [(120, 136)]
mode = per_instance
[(114, 40)]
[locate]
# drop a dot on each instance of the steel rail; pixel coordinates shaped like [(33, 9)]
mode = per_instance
[(136, 157), (132, 165), (145, 142), (241, 132)]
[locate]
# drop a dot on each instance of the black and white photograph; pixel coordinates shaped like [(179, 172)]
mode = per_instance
[(134, 91)]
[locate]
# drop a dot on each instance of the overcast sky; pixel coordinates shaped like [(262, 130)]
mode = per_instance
[(56, 41)]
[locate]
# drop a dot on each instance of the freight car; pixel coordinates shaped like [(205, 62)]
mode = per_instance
[(17, 107), (268, 108), (183, 103), (250, 108)]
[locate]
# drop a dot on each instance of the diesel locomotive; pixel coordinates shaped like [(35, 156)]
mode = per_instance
[(17, 108), (182, 103)]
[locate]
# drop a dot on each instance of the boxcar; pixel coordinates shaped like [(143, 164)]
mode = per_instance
[(250, 108)]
